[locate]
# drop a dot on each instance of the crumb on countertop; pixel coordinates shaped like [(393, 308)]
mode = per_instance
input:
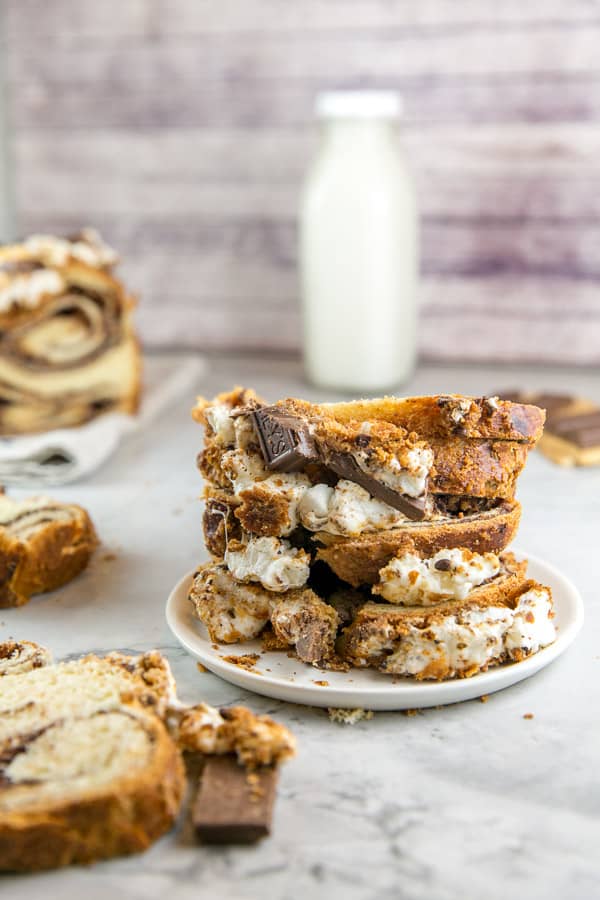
[(244, 661), (484, 698), (349, 716), (200, 667), (528, 716)]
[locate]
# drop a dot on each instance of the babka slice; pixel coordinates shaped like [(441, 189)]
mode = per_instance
[(91, 761), (458, 638), (68, 350), (43, 545)]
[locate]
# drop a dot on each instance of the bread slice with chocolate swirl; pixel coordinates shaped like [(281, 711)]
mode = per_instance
[(68, 351), (91, 757), (17, 657), (43, 545)]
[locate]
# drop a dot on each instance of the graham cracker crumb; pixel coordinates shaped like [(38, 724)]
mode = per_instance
[(200, 667), (349, 716), (109, 557), (528, 716), (244, 661), (321, 683), (484, 698), (411, 713), (253, 781)]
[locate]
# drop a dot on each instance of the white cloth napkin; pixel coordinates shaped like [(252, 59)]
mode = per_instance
[(68, 454)]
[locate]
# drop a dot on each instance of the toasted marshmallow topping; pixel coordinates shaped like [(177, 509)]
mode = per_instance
[(474, 638), (219, 419), (352, 510), (313, 508), (346, 509), (449, 575), (54, 251), (532, 625), (29, 289), (408, 476), (275, 564), (243, 469)]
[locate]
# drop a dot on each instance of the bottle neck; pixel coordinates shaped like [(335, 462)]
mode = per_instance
[(357, 133)]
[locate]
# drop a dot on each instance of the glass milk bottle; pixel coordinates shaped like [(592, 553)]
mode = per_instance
[(358, 248)]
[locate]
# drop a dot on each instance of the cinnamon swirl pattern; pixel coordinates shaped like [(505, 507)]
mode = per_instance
[(43, 545), (68, 351)]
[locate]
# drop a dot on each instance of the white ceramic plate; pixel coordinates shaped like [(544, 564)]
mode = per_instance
[(277, 675)]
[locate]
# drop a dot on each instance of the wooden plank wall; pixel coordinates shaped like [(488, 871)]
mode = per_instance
[(182, 129)]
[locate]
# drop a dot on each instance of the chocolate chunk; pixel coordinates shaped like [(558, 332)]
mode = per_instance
[(443, 565), (549, 402), (346, 466), (215, 517), (582, 430), (287, 446), (285, 441), (234, 806), (362, 440)]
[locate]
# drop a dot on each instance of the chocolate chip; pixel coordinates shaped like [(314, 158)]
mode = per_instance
[(362, 440), (443, 565)]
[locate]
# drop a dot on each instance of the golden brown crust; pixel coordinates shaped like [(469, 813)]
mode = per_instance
[(127, 819), (446, 415), (51, 557), (477, 468), (358, 560)]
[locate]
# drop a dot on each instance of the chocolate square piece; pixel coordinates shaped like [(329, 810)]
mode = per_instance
[(285, 441), (234, 806)]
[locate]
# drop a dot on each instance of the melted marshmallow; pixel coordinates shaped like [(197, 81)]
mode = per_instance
[(275, 564), (412, 581), (477, 637)]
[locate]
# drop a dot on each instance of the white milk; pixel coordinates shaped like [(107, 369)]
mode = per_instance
[(358, 248)]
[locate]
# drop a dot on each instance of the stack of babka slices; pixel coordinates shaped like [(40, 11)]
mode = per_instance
[(370, 533)]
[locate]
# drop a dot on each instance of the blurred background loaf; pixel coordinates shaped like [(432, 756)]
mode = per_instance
[(182, 130)]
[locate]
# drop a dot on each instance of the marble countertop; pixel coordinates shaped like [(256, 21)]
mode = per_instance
[(467, 801)]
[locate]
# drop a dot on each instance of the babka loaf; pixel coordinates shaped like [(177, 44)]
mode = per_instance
[(67, 347), (91, 759), (43, 545)]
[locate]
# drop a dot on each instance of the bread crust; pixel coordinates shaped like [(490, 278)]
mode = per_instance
[(51, 557), (136, 811), (358, 560), (450, 414), (477, 468)]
